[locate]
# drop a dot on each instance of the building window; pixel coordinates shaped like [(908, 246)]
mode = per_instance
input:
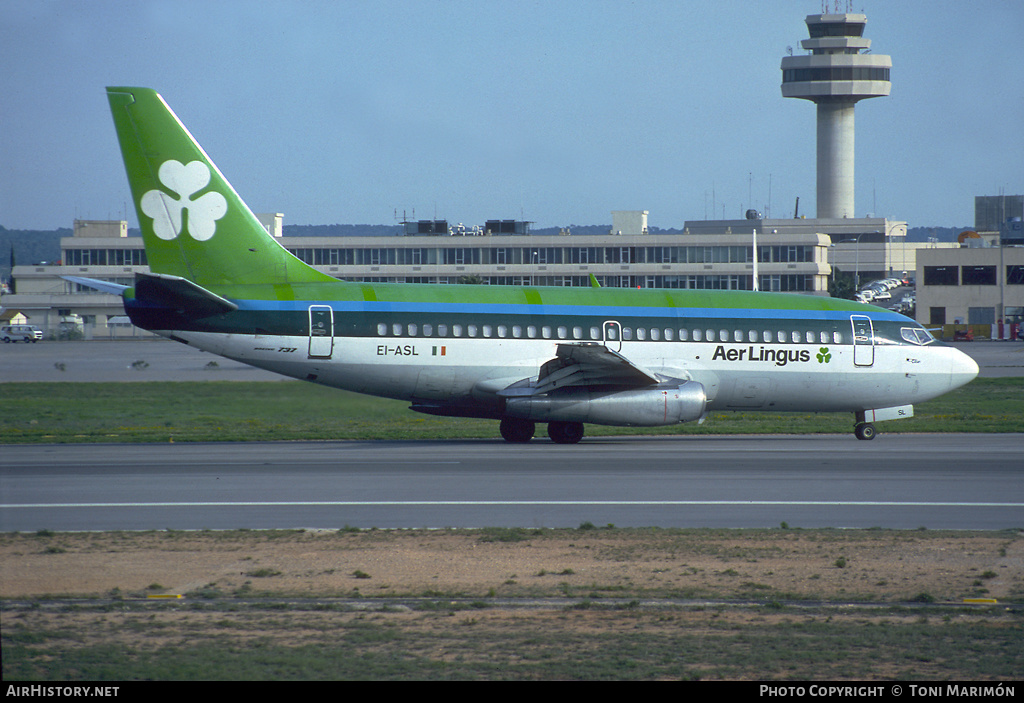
[(981, 316), (1015, 275), (941, 276), (936, 316), (978, 275)]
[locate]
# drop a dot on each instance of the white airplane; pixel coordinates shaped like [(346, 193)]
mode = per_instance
[(519, 355)]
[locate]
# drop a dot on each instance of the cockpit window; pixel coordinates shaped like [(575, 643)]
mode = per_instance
[(916, 335)]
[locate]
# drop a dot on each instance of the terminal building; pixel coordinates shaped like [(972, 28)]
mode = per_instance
[(981, 282)]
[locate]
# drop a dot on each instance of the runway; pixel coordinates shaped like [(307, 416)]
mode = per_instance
[(966, 481)]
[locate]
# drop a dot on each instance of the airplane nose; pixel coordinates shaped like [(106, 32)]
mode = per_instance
[(963, 369)]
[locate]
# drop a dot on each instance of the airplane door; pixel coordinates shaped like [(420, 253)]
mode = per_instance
[(863, 340), (611, 331), (321, 331)]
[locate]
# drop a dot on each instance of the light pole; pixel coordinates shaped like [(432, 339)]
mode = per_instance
[(856, 270)]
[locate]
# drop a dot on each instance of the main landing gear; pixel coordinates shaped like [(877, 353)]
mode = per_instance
[(514, 429), (565, 432)]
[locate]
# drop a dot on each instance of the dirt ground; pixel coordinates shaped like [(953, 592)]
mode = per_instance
[(835, 565)]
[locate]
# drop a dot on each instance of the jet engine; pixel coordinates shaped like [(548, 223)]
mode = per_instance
[(645, 407)]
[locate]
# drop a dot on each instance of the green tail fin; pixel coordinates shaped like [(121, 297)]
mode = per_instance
[(193, 223)]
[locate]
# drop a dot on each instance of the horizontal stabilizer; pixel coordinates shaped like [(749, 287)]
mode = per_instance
[(102, 286), (162, 290)]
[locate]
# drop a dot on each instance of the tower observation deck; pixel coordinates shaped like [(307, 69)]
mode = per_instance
[(835, 75)]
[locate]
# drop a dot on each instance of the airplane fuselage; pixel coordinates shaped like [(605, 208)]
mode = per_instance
[(762, 353)]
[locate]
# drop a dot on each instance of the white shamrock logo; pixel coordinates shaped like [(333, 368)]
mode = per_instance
[(185, 180)]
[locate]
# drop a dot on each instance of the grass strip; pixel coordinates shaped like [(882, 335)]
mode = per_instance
[(247, 411)]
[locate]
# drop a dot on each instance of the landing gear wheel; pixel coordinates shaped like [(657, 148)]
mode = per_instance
[(864, 430), (565, 432), (514, 429)]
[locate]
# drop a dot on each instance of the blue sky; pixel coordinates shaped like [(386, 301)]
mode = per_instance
[(557, 112)]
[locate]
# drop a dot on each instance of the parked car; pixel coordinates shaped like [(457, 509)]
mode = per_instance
[(20, 333)]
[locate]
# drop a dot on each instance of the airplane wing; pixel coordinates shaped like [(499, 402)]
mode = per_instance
[(583, 364)]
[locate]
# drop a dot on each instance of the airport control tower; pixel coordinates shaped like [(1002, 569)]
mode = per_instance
[(836, 73)]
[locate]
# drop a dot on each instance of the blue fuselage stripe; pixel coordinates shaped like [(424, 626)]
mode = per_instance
[(560, 310)]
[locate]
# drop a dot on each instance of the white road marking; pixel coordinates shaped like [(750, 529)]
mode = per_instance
[(420, 503)]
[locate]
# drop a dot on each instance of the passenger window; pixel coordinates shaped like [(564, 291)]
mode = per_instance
[(641, 333), (487, 330), (412, 329), (502, 331), (684, 335), (546, 332), (796, 336), (837, 337), (563, 332), (766, 336), (382, 329), (456, 330), (595, 333), (782, 336), (737, 335), (752, 336), (668, 334), (442, 330), (627, 333), (698, 335), (709, 335), (396, 329), (577, 333), (428, 330), (655, 334), (517, 331), (531, 331), (823, 337), (471, 330), (809, 337)]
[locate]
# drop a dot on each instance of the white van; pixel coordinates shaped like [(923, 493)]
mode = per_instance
[(20, 333)]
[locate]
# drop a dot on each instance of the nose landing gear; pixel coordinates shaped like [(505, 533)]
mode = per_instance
[(864, 430)]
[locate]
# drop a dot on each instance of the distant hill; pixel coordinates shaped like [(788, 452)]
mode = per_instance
[(341, 230), (941, 234), (30, 246)]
